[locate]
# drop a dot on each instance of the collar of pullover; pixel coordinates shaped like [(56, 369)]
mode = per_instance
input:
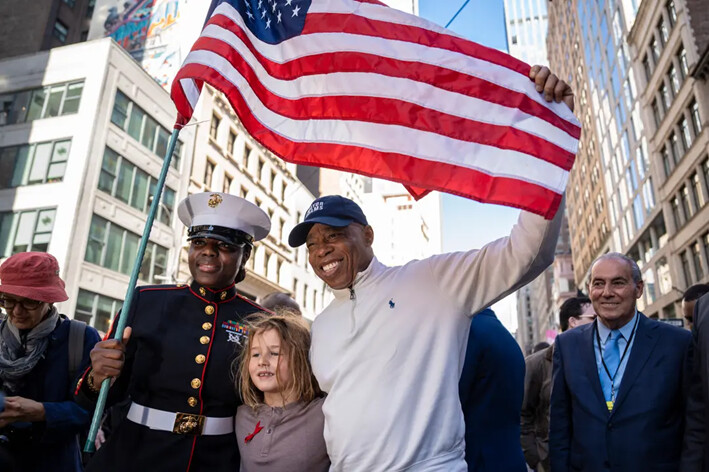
[(360, 280)]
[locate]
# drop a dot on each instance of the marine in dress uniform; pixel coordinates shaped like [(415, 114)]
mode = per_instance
[(178, 358)]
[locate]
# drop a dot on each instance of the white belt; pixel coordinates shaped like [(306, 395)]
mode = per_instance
[(180, 423)]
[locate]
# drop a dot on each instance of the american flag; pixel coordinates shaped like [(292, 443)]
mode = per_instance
[(358, 86)]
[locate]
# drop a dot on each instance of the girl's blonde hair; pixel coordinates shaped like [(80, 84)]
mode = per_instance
[(295, 343)]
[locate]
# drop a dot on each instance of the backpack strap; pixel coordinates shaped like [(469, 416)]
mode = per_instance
[(77, 330)]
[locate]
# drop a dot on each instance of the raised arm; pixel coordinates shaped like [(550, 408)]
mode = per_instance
[(477, 279)]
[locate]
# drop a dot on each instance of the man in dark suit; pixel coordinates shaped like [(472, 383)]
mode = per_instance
[(696, 449), (491, 389), (620, 384)]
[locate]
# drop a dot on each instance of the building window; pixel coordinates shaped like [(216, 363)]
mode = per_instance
[(683, 64), (687, 206), (28, 230), (143, 128), (657, 113), (674, 80), (696, 119), (247, 153), (666, 98), (209, 174), (214, 127), (39, 103), (697, 190), (36, 163), (705, 171), (655, 49), (664, 31), (121, 179), (676, 151), (90, 8), (230, 143), (227, 183), (705, 240), (60, 31), (671, 12), (96, 310), (686, 134), (647, 68), (115, 248), (685, 268), (697, 259), (676, 213), (259, 170), (666, 162)]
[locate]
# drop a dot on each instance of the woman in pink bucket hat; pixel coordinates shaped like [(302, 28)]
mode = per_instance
[(40, 422)]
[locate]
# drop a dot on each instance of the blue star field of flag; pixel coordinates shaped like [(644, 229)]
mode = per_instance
[(273, 21)]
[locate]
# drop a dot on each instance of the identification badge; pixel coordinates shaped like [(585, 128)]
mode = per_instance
[(610, 405)]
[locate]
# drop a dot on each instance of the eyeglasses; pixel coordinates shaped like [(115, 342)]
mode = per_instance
[(27, 303)]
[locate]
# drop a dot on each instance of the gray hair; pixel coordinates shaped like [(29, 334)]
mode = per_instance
[(634, 269)]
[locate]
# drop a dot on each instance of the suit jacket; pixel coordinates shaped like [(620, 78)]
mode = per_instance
[(645, 429), (491, 389), (696, 448), (535, 409)]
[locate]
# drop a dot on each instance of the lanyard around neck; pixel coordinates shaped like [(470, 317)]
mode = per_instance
[(625, 351)]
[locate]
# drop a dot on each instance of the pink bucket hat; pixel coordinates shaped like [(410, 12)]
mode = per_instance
[(33, 275)]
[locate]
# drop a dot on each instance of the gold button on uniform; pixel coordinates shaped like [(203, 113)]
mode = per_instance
[(192, 401), (204, 339), (209, 309), (202, 291), (207, 326), (200, 359), (196, 383)]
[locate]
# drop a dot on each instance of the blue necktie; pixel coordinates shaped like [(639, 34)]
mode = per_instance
[(611, 357)]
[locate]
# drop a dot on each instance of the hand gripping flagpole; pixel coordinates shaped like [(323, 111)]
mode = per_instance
[(106, 384)]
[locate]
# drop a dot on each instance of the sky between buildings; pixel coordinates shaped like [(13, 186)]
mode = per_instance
[(468, 224)]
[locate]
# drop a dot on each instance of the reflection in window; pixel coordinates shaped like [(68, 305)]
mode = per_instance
[(96, 310), (26, 231), (120, 178), (663, 276), (649, 279), (143, 128), (35, 163), (39, 103), (115, 248)]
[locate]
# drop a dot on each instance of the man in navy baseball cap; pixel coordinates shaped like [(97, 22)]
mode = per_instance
[(338, 238), (330, 210)]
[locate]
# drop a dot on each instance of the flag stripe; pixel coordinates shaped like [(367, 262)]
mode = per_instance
[(283, 98), (478, 96), (525, 98), (401, 140), (357, 86), (442, 176)]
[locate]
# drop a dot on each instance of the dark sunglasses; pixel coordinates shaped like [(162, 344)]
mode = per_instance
[(27, 304)]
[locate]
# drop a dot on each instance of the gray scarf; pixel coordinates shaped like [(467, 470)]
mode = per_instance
[(17, 361)]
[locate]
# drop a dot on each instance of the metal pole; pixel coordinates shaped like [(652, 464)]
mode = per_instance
[(106, 385)]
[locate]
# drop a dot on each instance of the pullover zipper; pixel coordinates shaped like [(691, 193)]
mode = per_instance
[(352, 294)]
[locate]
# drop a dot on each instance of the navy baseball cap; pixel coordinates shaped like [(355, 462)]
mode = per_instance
[(331, 210)]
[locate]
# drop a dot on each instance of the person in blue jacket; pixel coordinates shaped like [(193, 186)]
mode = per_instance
[(491, 389), (39, 422)]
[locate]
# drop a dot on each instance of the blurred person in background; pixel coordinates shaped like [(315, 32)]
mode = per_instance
[(42, 354)]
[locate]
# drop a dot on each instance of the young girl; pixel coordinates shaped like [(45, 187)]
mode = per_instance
[(280, 425)]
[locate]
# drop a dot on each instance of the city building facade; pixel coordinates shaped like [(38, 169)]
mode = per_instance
[(643, 142), (668, 40), (526, 29), (39, 25), (83, 134)]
